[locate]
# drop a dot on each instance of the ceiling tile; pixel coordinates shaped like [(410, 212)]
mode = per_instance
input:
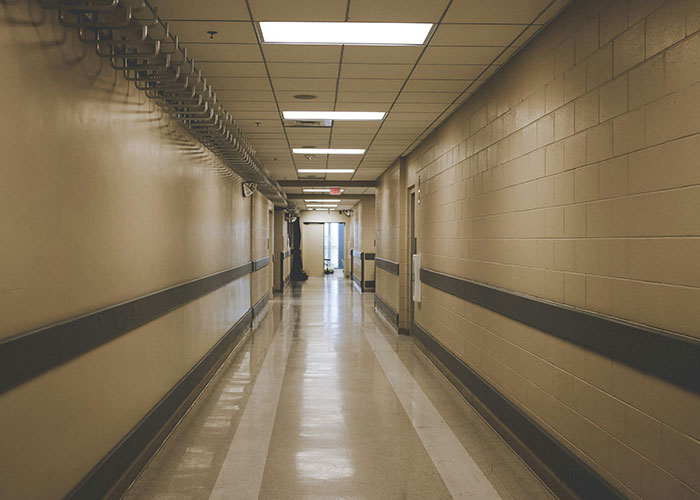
[(234, 106), (303, 70), (418, 107), (227, 32), (346, 96), (358, 70), (363, 106), (476, 34), (460, 55), (287, 53), (448, 71), (201, 52), (305, 85), (406, 11), (211, 9), (440, 97), (420, 85), (379, 55), (220, 84), (324, 100), (245, 95), (367, 85), (308, 10), (231, 69), (494, 11)]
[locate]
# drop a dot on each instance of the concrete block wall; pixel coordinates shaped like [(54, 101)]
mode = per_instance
[(572, 175), (260, 246)]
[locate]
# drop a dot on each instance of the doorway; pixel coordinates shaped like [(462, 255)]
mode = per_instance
[(412, 249), (333, 247)]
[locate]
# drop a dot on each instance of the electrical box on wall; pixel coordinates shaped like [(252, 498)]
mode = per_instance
[(415, 277)]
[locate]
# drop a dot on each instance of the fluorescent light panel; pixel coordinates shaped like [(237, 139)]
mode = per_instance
[(322, 206), (319, 151), (319, 190), (322, 201), (333, 115), (345, 33), (326, 170)]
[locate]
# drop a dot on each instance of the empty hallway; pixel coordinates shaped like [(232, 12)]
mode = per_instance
[(363, 249)]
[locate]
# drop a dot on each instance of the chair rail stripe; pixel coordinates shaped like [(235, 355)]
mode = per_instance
[(665, 354), (30, 354), (388, 265)]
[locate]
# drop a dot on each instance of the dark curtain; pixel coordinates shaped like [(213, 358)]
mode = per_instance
[(298, 273)]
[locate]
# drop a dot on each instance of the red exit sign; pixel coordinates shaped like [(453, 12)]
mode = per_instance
[(335, 190)]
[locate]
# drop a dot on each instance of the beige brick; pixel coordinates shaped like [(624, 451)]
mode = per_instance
[(628, 132), (628, 49), (575, 289), (613, 98), (554, 286), (646, 82), (670, 165), (599, 219), (613, 256), (673, 116), (564, 255), (564, 122), (599, 67), (598, 370), (682, 64), (586, 40), (575, 221), (626, 465), (554, 94), (612, 178), (658, 484), (554, 158), (545, 130), (639, 9), (599, 294), (613, 20), (627, 384), (599, 142), (586, 183), (575, 82), (673, 405), (665, 26), (586, 255), (642, 433), (586, 111), (564, 57), (693, 17), (575, 151), (545, 192), (664, 260), (563, 188)]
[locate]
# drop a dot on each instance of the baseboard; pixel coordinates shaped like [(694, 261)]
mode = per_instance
[(116, 471), (563, 472)]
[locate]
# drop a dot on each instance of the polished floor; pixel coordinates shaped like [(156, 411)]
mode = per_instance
[(324, 401)]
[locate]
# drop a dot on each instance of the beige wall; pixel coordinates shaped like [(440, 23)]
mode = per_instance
[(260, 245), (364, 235), (573, 176), (312, 240), (103, 200), (281, 245)]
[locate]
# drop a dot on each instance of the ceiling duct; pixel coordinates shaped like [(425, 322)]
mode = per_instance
[(137, 42)]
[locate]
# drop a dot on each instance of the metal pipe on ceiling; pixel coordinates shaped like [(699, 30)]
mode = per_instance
[(137, 42)]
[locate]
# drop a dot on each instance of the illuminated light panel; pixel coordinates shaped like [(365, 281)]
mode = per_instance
[(322, 201), (333, 115), (326, 170), (338, 33), (315, 151), (319, 190), (322, 206)]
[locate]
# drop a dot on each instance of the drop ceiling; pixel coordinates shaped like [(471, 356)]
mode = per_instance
[(417, 86)]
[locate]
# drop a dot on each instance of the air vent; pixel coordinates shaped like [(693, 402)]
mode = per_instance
[(308, 123)]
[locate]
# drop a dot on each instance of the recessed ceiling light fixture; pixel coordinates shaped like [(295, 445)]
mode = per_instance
[(333, 115), (322, 206), (345, 33), (317, 151), (326, 170), (322, 201), (320, 190)]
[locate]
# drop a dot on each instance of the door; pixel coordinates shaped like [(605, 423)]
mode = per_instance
[(270, 251), (412, 249)]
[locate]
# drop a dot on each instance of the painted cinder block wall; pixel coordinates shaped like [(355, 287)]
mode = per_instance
[(261, 247), (573, 175), (103, 200)]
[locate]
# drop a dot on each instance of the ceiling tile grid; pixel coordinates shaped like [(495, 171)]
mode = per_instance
[(417, 86)]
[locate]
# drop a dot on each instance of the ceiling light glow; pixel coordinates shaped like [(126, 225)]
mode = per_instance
[(345, 33), (322, 206), (322, 201), (333, 115), (318, 151), (326, 170), (319, 190)]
